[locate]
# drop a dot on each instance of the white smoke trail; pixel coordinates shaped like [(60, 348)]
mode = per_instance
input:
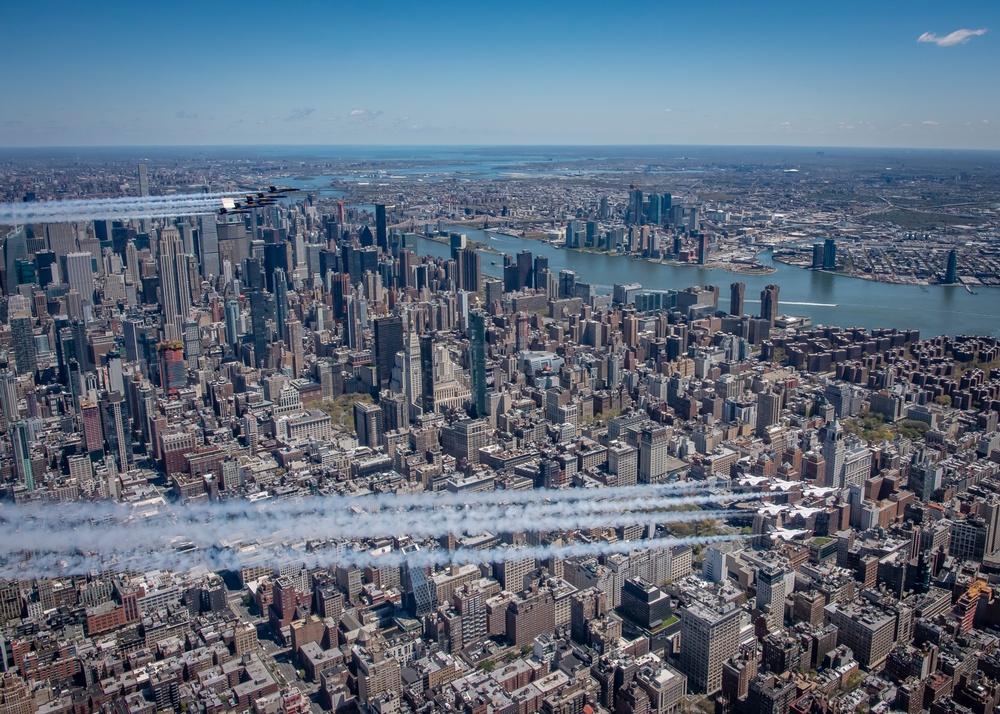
[(428, 558), (52, 565), (30, 211), (77, 203), (113, 533), (86, 512), (100, 528), (106, 538), (107, 209), (123, 216)]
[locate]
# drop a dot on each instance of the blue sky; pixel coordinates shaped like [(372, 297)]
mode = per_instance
[(796, 73)]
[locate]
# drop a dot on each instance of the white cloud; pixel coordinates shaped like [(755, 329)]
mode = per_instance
[(958, 37), (668, 110), (299, 114), (930, 122), (365, 115)]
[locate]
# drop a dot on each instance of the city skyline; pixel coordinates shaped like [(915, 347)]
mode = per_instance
[(558, 74)]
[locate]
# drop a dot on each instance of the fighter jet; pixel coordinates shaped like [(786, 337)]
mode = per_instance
[(784, 485), (774, 509), (752, 480), (259, 200), (231, 208), (788, 533), (805, 511), (820, 491)]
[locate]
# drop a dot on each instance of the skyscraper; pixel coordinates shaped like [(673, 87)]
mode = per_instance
[(541, 267), (80, 275), (258, 313), (208, 239), (144, 191), (769, 304), (22, 454), (736, 292), (388, 341), (295, 335), (567, 284), (817, 256), (368, 424), (174, 284), (829, 254), (116, 429), (61, 238), (280, 303), (768, 411), (8, 398), (522, 331), (654, 443), (469, 269), (15, 249), (352, 322), (427, 372), (381, 233), (655, 212), (173, 369), (771, 595), (276, 255), (951, 274), (702, 247), (834, 451), (477, 361), (23, 336), (143, 180), (232, 323), (711, 635), (524, 270), (412, 382), (457, 242)]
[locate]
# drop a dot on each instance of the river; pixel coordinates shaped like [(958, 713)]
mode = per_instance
[(827, 299)]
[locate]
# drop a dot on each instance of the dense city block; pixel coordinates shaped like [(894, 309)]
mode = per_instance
[(288, 433)]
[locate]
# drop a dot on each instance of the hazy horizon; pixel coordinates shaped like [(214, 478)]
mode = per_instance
[(485, 145)]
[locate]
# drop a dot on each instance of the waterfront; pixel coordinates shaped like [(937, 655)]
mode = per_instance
[(826, 298)]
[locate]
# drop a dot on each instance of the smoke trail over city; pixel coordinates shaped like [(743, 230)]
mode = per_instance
[(91, 529), (216, 559), (105, 533), (111, 208)]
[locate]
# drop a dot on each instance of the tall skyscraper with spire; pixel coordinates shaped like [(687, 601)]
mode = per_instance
[(175, 288), (412, 383), (834, 450)]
